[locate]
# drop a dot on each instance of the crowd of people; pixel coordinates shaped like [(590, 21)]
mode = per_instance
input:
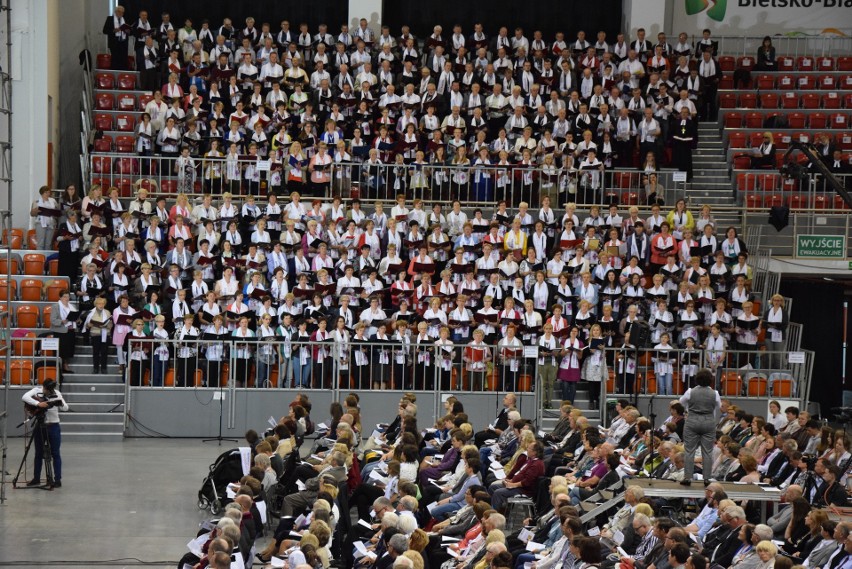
[(439, 495), (395, 110), (412, 297)]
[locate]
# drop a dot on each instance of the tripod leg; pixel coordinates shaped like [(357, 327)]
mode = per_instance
[(23, 460), (47, 453)]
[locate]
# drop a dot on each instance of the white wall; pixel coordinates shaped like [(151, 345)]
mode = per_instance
[(370, 9), (767, 17), (653, 15)]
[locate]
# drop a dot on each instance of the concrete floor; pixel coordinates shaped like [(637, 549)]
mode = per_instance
[(136, 498)]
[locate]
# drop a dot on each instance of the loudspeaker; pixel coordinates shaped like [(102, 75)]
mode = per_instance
[(779, 216), (640, 334)]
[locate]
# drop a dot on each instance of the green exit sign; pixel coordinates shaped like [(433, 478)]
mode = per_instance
[(821, 247)]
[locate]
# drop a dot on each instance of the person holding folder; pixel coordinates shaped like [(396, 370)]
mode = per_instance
[(63, 319), (46, 211)]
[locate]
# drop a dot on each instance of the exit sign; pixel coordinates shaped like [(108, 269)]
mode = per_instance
[(820, 246)]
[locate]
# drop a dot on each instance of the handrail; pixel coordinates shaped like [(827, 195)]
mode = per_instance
[(789, 46)]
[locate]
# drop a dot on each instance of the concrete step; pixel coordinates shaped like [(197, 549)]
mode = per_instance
[(82, 366), (88, 377), (78, 418), (107, 428), (92, 387), (116, 437), (93, 398), (97, 407)]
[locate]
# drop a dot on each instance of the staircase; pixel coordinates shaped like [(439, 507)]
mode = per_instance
[(549, 417), (711, 180), (96, 400)]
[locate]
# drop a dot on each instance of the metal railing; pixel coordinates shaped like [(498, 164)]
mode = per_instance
[(790, 46), (473, 185), (739, 373)]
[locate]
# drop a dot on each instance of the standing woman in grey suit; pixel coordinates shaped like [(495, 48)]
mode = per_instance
[(63, 324)]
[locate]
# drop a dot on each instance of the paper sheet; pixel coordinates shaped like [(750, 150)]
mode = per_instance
[(275, 562), (365, 524), (196, 544), (534, 547)]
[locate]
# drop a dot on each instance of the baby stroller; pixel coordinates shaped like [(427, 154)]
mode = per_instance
[(226, 469)]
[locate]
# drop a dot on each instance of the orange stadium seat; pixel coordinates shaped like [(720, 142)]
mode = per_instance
[(21, 372), (27, 316), (5, 266), (34, 264), (31, 290)]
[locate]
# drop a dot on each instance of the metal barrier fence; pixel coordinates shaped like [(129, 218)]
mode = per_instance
[(789, 46), (739, 373), (471, 184), (230, 364), (31, 361)]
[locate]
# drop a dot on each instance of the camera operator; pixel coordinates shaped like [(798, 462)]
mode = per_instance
[(49, 402)]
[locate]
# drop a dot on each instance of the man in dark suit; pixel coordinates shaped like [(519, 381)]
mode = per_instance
[(837, 165), (638, 244), (116, 30), (831, 492), (789, 471), (710, 73), (500, 424), (724, 553)]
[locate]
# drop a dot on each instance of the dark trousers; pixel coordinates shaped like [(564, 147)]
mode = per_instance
[(185, 369), (118, 51), (54, 436), (137, 372), (214, 371), (99, 351), (363, 498)]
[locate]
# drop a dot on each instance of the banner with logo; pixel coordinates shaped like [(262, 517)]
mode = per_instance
[(762, 17)]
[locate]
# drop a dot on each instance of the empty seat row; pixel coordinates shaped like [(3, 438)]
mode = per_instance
[(816, 119), (794, 201), (33, 290), (121, 122), (122, 102), (121, 81), (125, 185), (786, 63), (787, 100)]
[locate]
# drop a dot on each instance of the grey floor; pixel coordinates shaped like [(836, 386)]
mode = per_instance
[(136, 498)]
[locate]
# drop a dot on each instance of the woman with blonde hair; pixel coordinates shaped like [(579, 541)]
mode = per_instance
[(764, 155)]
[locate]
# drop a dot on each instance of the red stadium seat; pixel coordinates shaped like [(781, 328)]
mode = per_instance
[(726, 82), (817, 120), (769, 100), (144, 100), (796, 120), (821, 202), (104, 102), (748, 100), (753, 120), (126, 102), (736, 140), (742, 161), (825, 63), (746, 182), (727, 101), (786, 64), (802, 137), (831, 100), (727, 63), (103, 61), (127, 166), (805, 63), (839, 203), (745, 62), (123, 185), (789, 101), (125, 123), (101, 164), (839, 120), (766, 82), (844, 141), (782, 142), (807, 82), (733, 120), (846, 82), (630, 198), (168, 186), (827, 82), (773, 200), (810, 101), (798, 201), (126, 81), (103, 121), (756, 139), (786, 82), (753, 201), (103, 144), (768, 182), (124, 143), (844, 63), (104, 81)]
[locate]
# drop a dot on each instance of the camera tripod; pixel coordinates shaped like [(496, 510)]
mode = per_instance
[(40, 426)]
